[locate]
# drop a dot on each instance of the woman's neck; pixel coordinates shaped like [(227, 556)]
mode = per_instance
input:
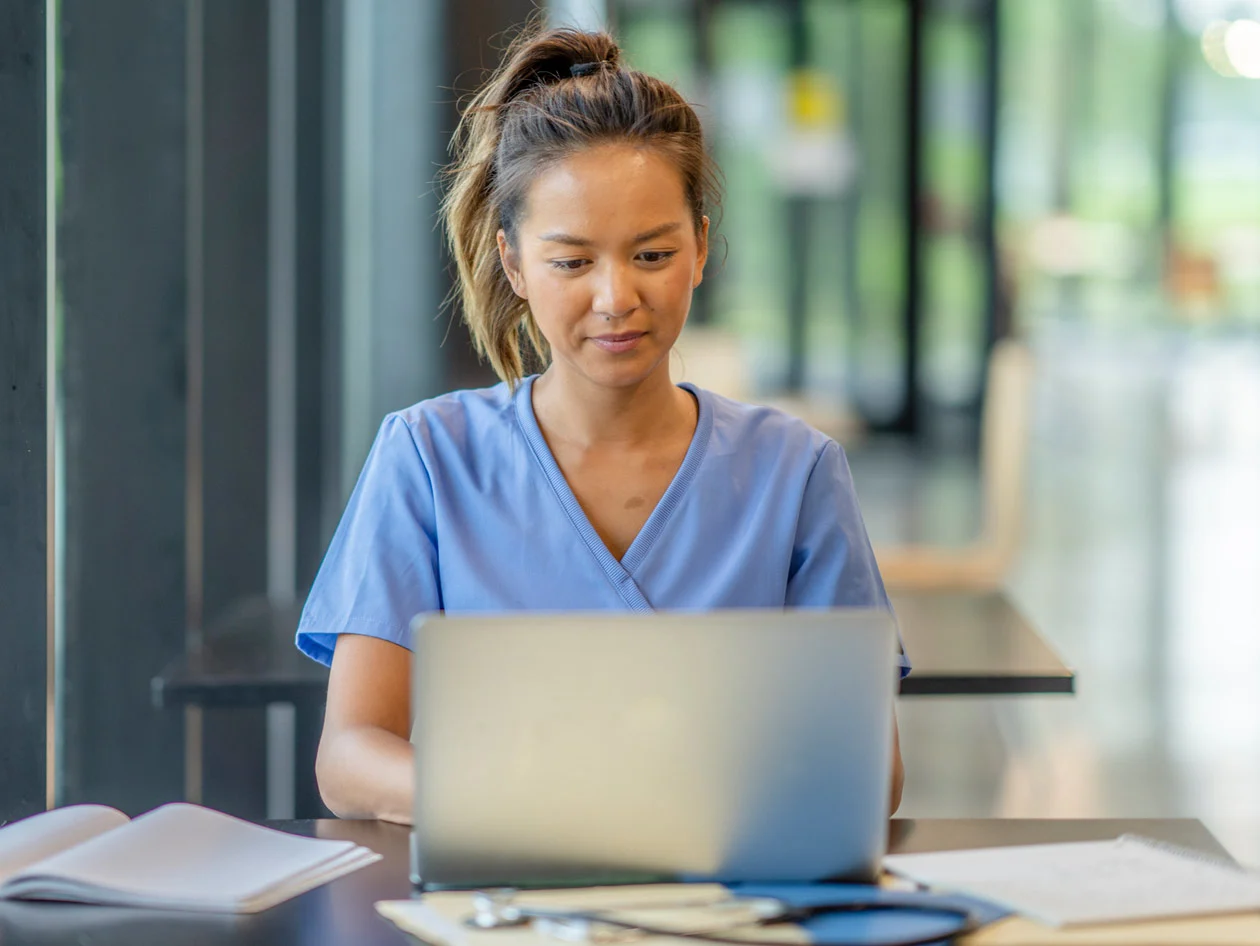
[(590, 415)]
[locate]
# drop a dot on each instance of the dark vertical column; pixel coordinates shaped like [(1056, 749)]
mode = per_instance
[(851, 201), (997, 306), (234, 411), (798, 218), (329, 87), (702, 52), (122, 262), (23, 412), (233, 356), (316, 283), (1166, 156), (912, 316), (472, 38), (263, 182)]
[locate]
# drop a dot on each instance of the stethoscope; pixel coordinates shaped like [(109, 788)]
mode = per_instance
[(498, 909)]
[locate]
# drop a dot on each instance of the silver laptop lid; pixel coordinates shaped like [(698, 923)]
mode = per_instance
[(740, 745)]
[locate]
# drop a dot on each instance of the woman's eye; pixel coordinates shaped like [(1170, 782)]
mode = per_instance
[(656, 256), (568, 265)]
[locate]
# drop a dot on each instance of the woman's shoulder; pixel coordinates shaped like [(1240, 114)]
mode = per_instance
[(761, 429), (471, 413)]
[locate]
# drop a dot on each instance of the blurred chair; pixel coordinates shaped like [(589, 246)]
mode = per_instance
[(982, 565), (714, 358), (1193, 281)]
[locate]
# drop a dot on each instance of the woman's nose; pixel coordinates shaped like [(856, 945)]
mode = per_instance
[(615, 293)]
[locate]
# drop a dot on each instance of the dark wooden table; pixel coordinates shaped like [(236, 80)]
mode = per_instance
[(342, 912), (967, 644), (960, 644), (249, 659)]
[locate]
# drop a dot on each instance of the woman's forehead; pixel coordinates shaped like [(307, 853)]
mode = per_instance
[(612, 187)]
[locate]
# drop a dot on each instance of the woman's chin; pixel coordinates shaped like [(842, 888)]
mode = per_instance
[(620, 371)]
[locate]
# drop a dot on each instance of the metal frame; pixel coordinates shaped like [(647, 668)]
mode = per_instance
[(26, 457)]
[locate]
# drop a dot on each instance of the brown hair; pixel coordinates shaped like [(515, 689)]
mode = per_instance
[(535, 110)]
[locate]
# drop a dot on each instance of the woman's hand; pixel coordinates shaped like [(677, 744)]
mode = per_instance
[(365, 767)]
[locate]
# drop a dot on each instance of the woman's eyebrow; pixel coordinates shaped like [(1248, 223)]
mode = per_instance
[(564, 238), (570, 240), (655, 232)]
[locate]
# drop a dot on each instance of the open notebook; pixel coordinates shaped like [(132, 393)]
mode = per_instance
[(177, 857)]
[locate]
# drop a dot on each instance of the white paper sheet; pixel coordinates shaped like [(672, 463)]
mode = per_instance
[(1088, 882)]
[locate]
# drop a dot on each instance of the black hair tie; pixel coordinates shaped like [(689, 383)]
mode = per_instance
[(584, 68)]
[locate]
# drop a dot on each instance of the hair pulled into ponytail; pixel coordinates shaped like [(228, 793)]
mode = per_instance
[(535, 110)]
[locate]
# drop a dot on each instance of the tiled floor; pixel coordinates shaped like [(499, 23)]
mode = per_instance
[(1141, 565)]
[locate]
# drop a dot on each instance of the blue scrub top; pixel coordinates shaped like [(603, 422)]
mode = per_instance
[(462, 508)]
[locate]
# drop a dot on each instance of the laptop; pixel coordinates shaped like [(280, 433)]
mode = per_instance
[(602, 747)]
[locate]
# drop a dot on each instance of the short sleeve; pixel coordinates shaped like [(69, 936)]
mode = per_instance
[(380, 570), (832, 561)]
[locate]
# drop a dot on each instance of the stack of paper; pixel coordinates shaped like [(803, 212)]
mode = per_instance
[(1126, 884)]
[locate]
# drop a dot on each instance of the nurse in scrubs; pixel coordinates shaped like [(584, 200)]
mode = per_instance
[(577, 211)]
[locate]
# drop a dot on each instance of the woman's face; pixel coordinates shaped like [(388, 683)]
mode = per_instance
[(607, 255)]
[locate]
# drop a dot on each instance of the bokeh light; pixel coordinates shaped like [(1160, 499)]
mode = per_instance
[(1213, 43), (1242, 47)]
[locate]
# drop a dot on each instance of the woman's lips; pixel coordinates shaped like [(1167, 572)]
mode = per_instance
[(621, 342)]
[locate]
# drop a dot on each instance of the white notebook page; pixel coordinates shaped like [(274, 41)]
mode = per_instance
[(32, 839), (191, 855), (1087, 882)]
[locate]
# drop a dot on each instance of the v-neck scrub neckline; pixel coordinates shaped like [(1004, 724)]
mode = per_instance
[(462, 508), (620, 572)]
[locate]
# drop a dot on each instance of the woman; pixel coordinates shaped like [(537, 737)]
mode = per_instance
[(576, 212)]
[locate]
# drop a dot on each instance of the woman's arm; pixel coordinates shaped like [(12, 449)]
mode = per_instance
[(365, 763), (833, 562), (898, 771)]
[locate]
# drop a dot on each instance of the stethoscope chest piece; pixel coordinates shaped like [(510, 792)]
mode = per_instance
[(496, 909)]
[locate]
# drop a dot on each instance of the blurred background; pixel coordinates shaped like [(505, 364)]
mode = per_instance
[(1006, 251)]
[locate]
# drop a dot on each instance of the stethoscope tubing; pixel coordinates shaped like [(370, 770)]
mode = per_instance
[(967, 922)]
